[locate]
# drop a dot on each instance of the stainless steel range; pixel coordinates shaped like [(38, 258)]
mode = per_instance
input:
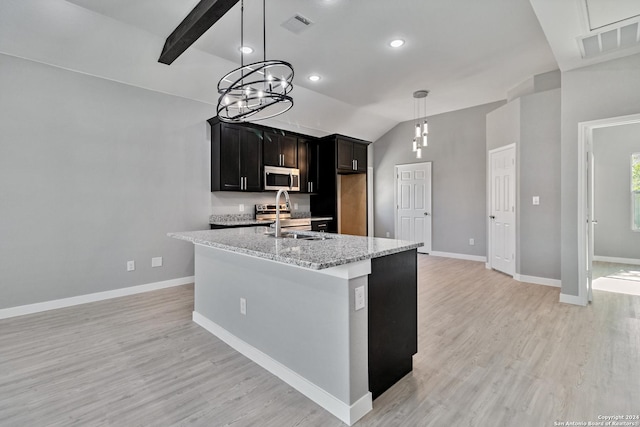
[(268, 213)]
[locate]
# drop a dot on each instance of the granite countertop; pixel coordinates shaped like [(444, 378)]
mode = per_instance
[(337, 249), (249, 219)]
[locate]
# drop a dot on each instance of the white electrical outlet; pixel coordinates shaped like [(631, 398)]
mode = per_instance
[(243, 306), (472, 242), (295, 206), (156, 261), (241, 207), (388, 234), (536, 200), (131, 265), (359, 298)]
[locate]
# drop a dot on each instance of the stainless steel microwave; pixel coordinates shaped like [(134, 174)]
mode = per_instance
[(276, 178)]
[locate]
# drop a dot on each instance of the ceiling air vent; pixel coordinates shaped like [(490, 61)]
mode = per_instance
[(297, 24), (610, 40)]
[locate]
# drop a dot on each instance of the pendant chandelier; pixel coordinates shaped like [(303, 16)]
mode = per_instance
[(421, 129), (255, 91)]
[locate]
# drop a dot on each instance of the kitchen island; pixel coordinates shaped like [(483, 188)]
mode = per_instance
[(334, 316)]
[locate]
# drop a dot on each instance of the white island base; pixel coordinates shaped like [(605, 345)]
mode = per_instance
[(300, 324)]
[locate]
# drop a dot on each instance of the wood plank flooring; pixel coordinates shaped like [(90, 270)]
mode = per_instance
[(492, 352)]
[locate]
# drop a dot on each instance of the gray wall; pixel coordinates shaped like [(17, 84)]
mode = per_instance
[(539, 175), (94, 173), (532, 122), (503, 125), (457, 148), (612, 149), (609, 89), (284, 303)]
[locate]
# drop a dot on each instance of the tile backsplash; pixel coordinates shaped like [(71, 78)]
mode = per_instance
[(225, 203)]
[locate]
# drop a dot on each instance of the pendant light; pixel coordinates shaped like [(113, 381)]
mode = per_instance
[(255, 91), (421, 129)]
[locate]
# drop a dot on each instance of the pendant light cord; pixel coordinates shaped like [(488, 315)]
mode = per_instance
[(264, 30), (242, 35)]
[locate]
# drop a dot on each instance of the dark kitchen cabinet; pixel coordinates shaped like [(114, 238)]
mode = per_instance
[(340, 159), (236, 157), (392, 319), (320, 225), (360, 156), (280, 149), (352, 156), (308, 163)]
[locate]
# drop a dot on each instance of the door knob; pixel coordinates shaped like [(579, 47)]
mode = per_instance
[(426, 214), (492, 217), (594, 221)]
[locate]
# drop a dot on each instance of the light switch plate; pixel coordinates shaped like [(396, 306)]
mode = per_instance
[(241, 207), (536, 200), (156, 261)]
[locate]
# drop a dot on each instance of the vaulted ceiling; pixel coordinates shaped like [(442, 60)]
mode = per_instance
[(466, 52)]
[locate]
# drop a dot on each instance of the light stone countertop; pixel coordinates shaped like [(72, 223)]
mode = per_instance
[(234, 220), (337, 249)]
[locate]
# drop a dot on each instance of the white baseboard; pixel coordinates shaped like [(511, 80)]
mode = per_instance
[(617, 260), (348, 414), (537, 280), (459, 256), (21, 310), (572, 299)]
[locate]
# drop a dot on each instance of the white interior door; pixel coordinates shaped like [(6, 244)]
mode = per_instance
[(502, 164), (413, 204)]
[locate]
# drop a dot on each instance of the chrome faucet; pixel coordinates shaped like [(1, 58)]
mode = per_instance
[(278, 233)]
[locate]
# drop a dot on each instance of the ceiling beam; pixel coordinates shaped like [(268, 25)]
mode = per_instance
[(198, 21)]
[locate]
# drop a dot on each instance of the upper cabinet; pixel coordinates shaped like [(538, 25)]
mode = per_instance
[(236, 157), (280, 149), (240, 151), (308, 163), (351, 155)]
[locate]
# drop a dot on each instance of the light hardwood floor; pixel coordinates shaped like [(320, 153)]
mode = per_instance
[(492, 352)]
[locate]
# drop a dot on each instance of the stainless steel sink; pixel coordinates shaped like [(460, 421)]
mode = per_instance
[(313, 238), (298, 236)]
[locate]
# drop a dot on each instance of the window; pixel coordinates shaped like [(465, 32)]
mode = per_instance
[(635, 191)]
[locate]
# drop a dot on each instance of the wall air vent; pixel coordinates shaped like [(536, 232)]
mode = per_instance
[(610, 40), (297, 23)]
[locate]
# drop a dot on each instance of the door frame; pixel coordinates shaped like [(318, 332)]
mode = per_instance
[(395, 197), (585, 142), (488, 264)]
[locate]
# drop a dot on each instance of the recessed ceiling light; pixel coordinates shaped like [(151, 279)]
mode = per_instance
[(245, 49), (396, 43), (314, 77)]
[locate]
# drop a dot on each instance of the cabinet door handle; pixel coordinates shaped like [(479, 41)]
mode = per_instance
[(244, 183), (356, 160), (311, 185)]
